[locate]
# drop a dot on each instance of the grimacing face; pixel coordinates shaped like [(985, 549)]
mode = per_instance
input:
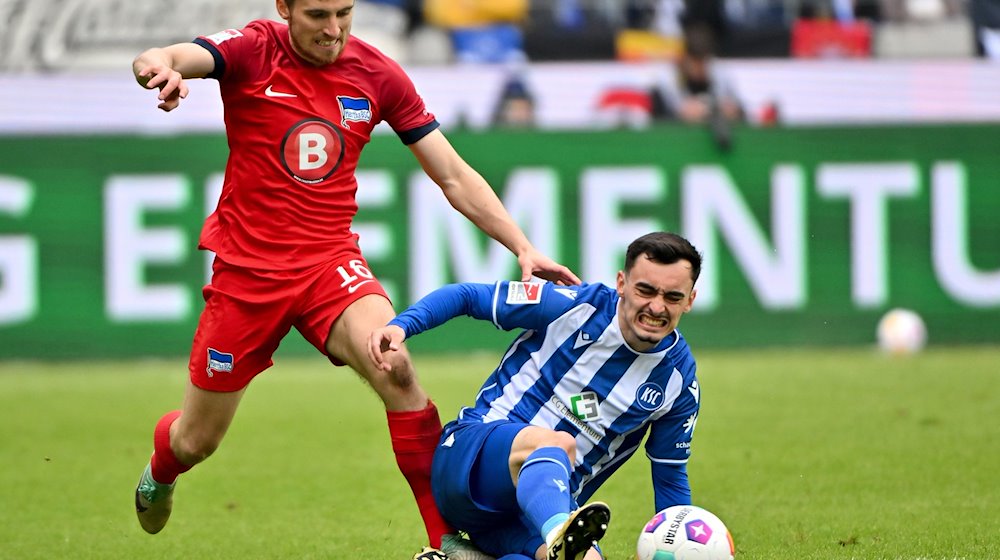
[(318, 29), (654, 296)]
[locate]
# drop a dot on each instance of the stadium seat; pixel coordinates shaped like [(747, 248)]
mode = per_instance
[(822, 38)]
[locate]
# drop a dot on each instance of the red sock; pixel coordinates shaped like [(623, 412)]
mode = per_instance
[(415, 435), (164, 464)]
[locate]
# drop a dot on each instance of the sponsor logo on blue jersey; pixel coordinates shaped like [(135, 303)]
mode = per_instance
[(649, 396), (357, 109), (690, 423), (570, 415), (523, 293), (568, 292), (586, 406), (219, 362)]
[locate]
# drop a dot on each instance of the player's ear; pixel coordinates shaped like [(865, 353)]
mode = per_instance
[(283, 10), (621, 283), (690, 301)]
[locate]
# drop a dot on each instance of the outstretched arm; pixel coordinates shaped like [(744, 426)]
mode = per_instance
[(166, 68), (436, 308), (471, 195)]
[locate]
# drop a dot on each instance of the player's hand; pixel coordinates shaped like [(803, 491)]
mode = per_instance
[(534, 263), (169, 81), (382, 341)]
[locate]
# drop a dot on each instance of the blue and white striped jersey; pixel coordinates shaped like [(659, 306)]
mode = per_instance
[(571, 370)]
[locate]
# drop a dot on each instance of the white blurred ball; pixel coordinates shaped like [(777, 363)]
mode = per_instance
[(901, 331)]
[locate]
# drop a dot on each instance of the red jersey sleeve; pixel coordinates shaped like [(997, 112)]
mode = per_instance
[(231, 47), (403, 108)]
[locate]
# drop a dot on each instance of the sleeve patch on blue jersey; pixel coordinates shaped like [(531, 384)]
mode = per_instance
[(524, 293)]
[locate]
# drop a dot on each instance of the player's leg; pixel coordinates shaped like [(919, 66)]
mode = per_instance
[(234, 342), (344, 304), (347, 343), (473, 487), (540, 464), (181, 439), (540, 467), (414, 424), (485, 475)]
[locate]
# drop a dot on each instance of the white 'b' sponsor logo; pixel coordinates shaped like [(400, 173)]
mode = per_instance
[(312, 150)]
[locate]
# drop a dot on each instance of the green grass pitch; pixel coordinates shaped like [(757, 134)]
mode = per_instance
[(805, 454)]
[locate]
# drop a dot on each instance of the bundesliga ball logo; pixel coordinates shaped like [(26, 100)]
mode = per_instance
[(685, 533)]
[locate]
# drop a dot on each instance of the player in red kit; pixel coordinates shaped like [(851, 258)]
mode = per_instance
[(301, 99)]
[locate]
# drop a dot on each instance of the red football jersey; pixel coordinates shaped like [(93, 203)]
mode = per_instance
[(295, 133)]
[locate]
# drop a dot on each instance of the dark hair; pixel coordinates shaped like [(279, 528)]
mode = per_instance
[(664, 248)]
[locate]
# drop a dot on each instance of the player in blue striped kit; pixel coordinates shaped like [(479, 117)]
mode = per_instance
[(570, 401)]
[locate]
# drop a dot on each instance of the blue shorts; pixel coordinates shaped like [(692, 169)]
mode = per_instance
[(473, 489)]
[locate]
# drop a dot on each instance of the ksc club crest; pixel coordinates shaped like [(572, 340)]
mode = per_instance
[(649, 396)]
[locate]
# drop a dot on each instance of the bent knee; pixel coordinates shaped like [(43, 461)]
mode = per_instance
[(398, 388), (534, 438), (567, 442), (192, 450), (402, 375)]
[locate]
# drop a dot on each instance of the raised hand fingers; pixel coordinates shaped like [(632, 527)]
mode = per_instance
[(536, 264), (378, 343), (169, 82), (383, 341), (155, 76), (375, 348), (171, 96)]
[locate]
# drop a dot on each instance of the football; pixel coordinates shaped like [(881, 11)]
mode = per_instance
[(685, 533), (901, 331)]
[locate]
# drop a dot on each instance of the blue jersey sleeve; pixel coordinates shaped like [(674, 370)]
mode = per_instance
[(521, 305), (669, 444), (507, 304), (445, 303), (670, 485)]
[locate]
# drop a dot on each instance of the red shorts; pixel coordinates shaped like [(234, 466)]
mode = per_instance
[(248, 312)]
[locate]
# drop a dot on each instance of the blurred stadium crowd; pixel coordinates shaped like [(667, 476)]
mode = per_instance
[(542, 30), (54, 35), (553, 64)]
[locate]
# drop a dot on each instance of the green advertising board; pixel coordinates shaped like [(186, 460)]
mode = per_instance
[(809, 234)]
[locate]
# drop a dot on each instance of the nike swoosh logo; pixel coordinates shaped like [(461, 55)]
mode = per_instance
[(271, 93), (353, 288)]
